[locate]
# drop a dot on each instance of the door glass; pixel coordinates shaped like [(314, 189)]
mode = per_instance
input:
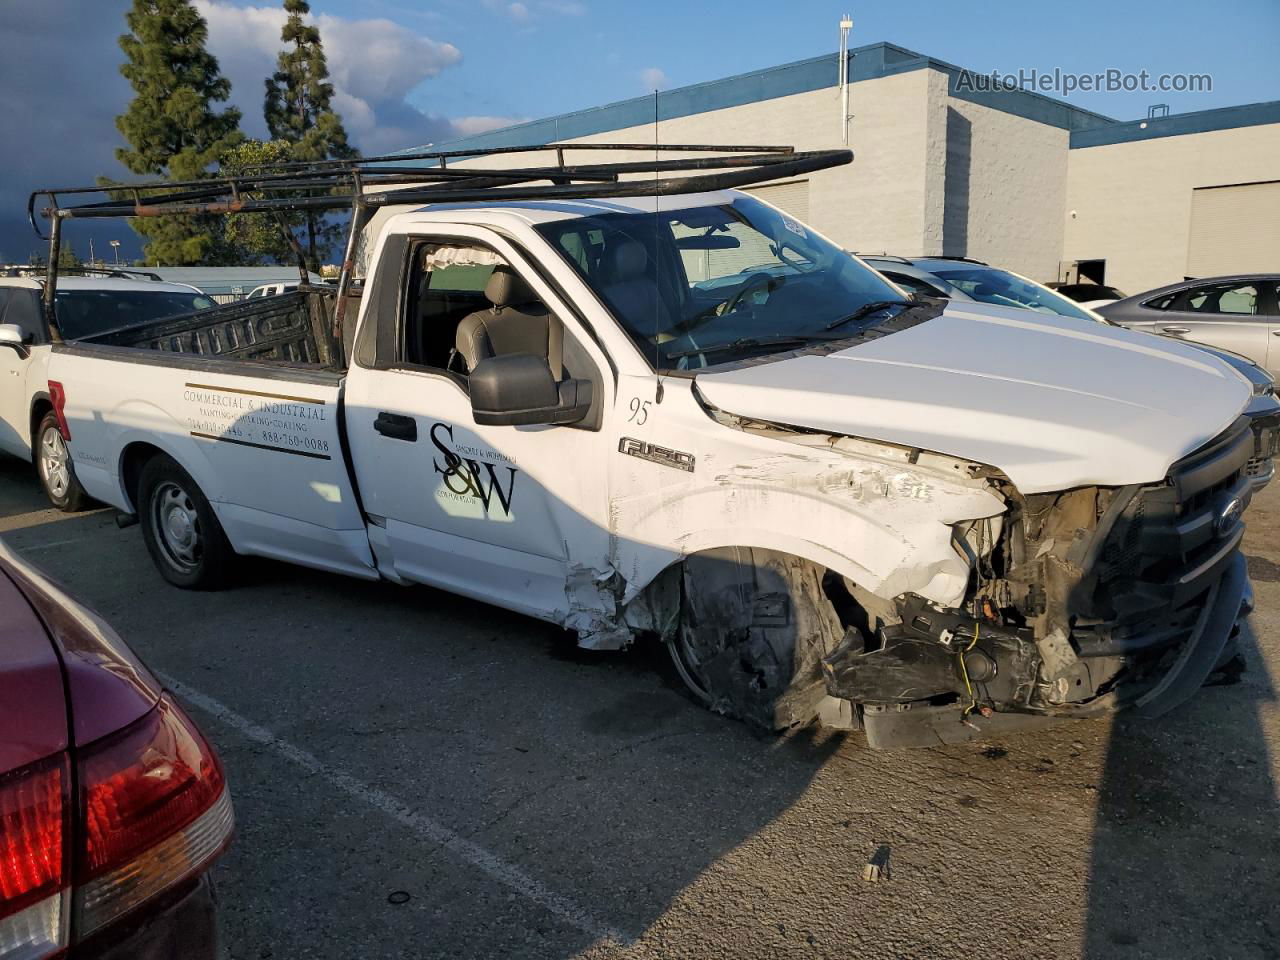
[(1239, 299), (1242, 299), (24, 310)]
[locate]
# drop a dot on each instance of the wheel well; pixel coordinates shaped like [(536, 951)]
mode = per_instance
[(132, 460)]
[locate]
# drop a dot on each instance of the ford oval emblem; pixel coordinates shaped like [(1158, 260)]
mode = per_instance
[(1228, 517)]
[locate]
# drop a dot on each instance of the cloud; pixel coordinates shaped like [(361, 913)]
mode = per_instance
[(59, 125), (59, 121), (566, 8), (469, 126), (373, 63), (652, 78), (525, 12)]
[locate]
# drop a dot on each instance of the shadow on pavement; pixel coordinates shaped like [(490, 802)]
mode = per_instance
[(1187, 838)]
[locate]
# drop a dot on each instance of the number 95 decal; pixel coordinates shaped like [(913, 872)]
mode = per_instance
[(639, 411)]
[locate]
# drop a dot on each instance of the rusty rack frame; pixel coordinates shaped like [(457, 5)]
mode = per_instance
[(420, 178)]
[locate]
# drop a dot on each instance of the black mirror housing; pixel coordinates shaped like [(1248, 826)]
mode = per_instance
[(517, 389)]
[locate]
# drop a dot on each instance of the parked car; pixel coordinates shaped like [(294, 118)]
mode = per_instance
[(86, 305), (1239, 313), (272, 289), (113, 805), (938, 519), (956, 278), (1091, 295)]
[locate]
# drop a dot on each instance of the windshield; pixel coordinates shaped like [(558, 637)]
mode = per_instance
[(711, 284), (84, 313), (1005, 289)]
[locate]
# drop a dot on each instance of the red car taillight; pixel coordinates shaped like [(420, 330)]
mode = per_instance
[(34, 810), (155, 811)]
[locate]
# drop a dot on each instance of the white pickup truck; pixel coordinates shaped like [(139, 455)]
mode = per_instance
[(89, 303), (696, 417)]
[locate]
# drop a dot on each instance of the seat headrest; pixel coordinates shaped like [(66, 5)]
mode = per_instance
[(506, 289), (628, 260)]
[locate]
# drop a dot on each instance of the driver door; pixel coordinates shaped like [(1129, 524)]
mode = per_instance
[(499, 513)]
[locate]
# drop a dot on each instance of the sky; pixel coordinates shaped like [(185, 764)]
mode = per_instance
[(409, 73)]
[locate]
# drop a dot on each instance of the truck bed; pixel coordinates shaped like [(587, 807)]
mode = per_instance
[(291, 328)]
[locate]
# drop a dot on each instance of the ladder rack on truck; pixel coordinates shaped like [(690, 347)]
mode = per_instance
[(364, 184)]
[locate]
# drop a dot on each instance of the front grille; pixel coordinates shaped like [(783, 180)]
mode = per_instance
[(1163, 546)]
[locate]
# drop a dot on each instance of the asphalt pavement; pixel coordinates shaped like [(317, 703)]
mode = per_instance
[(419, 775)]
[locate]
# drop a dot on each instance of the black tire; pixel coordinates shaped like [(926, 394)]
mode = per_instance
[(754, 626), (181, 531), (54, 467)]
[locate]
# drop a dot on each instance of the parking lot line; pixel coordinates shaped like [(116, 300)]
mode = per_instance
[(427, 829)]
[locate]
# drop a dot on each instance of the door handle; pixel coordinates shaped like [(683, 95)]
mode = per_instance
[(1176, 329), (396, 426)]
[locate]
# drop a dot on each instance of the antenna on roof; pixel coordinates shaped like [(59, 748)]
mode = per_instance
[(657, 261)]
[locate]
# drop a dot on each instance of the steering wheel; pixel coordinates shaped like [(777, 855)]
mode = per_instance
[(753, 281)]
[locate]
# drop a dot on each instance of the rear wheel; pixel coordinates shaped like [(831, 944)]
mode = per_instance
[(181, 531), (754, 626), (53, 464)]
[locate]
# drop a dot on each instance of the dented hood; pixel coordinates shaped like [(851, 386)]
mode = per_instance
[(1054, 403)]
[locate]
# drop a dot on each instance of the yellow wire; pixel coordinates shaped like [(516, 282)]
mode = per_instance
[(964, 672)]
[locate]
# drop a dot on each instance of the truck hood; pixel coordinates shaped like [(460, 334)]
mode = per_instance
[(1052, 402)]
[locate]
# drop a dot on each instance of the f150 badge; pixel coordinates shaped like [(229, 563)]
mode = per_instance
[(677, 459)]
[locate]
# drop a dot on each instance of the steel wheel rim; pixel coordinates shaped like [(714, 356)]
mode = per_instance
[(176, 521), (55, 463)]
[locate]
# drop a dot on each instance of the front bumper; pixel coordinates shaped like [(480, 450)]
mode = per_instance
[(902, 687), (1135, 613)]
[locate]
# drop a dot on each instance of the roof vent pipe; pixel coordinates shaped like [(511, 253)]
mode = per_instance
[(846, 24)]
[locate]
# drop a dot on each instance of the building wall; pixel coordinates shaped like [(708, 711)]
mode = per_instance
[(1006, 183), (931, 174), (876, 203), (1130, 203)]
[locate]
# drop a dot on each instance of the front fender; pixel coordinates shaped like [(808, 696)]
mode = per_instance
[(886, 526)]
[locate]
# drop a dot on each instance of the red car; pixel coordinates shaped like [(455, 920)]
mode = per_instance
[(113, 805)]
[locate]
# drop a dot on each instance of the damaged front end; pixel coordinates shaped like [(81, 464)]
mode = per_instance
[(1080, 603)]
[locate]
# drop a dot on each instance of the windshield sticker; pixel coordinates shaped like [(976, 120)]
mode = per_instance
[(794, 227), (475, 482), (251, 418)]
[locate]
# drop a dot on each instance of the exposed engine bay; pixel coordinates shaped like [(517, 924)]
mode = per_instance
[(1079, 603)]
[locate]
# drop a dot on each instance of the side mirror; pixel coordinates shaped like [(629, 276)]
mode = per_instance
[(12, 335), (517, 389)]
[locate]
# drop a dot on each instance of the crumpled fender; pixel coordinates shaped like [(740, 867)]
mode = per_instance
[(885, 525)]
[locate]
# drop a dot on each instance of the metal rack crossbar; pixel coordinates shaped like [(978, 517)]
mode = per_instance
[(421, 178)]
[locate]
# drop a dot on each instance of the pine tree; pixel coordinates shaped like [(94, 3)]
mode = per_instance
[(298, 109), (171, 125)]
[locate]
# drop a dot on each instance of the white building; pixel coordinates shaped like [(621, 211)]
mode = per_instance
[(1010, 177)]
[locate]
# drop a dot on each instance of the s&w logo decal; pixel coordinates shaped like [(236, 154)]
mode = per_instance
[(676, 459), (466, 476)]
